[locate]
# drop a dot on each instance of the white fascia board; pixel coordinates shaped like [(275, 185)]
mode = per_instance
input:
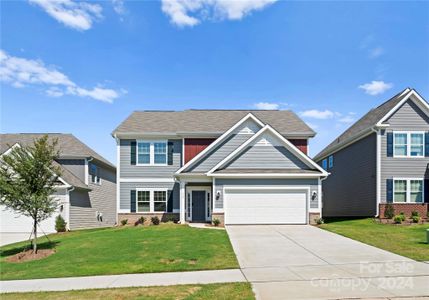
[(10, 149), (267, 128), (268, 175), (218, 140), (420, 102), (153, 179)]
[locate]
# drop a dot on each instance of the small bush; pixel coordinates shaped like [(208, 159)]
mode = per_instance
[(216, 222), (140, 221), (415, 219), (414, 214), (169, 218), (155, 220), (402, 215), (389, 211), (319, 221), (124, 222), (60, 224), (398, 219)]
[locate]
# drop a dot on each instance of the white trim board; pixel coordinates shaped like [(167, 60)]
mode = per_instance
[(168, 180)]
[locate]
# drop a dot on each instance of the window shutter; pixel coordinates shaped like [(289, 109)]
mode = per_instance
[(427, 144), (133, 152), (389, 190), (170, 201), (170, 153), (426, 191), (133, 200), (390, 144)]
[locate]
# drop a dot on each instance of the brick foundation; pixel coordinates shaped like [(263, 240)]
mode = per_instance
[(133, 217), (312, 217), (406, 208), (219, 216)]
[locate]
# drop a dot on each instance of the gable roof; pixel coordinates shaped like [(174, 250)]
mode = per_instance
[(68, 144), (370, 120), (268, 129), (208, 122)]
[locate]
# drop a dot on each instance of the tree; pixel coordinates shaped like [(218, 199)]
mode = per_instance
[(27, 180)]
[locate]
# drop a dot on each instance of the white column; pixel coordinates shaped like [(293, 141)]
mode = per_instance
[(182, 203)]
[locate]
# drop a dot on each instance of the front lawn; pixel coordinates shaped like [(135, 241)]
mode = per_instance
[(404, 240), (230, 291), (163, 248)]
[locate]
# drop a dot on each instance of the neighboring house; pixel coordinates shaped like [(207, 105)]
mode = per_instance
[(86, 189), (382, 158), (241, 167)]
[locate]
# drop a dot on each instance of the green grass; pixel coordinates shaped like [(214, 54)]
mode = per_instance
[(120, 250), (226, 291), (406, 240)]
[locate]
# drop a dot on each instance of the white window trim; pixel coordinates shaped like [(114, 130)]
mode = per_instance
[(151, 152), (408, 196), (408, 133), (96, 176), (151, 199)]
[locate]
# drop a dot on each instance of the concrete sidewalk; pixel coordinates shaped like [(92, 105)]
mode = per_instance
[(117, 281)]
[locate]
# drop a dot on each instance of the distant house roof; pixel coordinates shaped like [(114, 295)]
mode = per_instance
[(364, 124), (68, 144), (70, 178), (206, 122)]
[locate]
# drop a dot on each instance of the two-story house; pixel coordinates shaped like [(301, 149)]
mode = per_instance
[(382, 158), (86, 190), (241, 167)]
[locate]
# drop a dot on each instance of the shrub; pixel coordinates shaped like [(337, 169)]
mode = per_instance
[(402, 215), (319, 221), (155, 220), (414, 213), (389, 211), (169, 218), (216, 222), (124, 222), (398, 219), (140, 221), (60, 224), (415, 219)]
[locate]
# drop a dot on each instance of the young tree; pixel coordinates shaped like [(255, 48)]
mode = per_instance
[(27, 180)]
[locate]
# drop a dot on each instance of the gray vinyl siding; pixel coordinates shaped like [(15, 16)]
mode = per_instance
[(408, 118), (134, 171), (266, 157), (102, 198), (255, 182), (76, 166), (219, 153), (350, 190), (126, 187)]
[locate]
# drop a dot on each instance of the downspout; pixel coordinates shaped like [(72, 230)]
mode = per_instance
[(376, 130)]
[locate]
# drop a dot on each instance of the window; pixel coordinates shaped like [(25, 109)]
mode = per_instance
[(408, 144), (151, 153), (159, 201), (325, 164), (331, 161), (143, 201), (94, 173), (408, 190)]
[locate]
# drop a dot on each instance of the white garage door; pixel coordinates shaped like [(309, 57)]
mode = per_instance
[(14, 223), (265, 206)]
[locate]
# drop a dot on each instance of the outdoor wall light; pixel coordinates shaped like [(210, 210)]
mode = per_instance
[(217, 195), (314, 196)]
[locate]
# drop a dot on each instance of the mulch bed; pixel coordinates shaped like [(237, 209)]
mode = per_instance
[(30, 255)]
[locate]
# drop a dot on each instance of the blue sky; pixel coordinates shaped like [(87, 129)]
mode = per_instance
[(83, 67)]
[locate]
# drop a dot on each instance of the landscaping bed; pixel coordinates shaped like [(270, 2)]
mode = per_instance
[(123, 250)]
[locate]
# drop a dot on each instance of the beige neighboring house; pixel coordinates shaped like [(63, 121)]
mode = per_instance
[(85, 192)]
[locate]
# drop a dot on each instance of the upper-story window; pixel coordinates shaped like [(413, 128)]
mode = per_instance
[(151, 152), (94, 172), (325, 164), (330, 161), (409, 144)]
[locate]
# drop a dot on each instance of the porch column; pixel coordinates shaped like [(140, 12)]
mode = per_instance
[(182, 203)]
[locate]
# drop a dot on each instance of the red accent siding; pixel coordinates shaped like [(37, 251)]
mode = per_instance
[(301, 144), (195, 146)]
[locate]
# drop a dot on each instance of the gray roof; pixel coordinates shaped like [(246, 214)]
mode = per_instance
[(365, 123), (208, 122), (266, 171), (70, 178), (68, 144)]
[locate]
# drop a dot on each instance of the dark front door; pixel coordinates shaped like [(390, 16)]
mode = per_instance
[(198, 206)]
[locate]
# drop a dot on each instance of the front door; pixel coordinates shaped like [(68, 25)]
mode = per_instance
[(198, 206)]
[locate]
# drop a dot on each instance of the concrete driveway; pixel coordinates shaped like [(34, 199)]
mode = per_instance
[(305, 262)]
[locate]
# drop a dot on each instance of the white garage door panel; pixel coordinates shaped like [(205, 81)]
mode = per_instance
[(261, 206)]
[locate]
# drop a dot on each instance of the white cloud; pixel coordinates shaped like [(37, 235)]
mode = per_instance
[(376, 87), (266, 105), (347, 119), (376, 52), (191, 12), (77, 15), (21, 72), (318, 114), (119, 7)]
